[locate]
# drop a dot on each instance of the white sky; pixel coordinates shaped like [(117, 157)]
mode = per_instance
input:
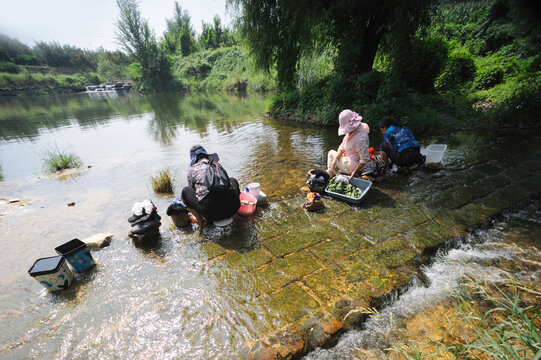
[(90, 24)]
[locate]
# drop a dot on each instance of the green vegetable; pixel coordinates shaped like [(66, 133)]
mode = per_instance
[(340, 187)]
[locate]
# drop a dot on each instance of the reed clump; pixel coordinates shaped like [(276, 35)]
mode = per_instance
[(507, 324), (163, 182), (60, 159)]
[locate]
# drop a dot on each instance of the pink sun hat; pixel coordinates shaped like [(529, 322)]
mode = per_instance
[(349, 121)]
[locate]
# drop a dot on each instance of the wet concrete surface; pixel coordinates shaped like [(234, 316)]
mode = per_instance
[(310, 270)]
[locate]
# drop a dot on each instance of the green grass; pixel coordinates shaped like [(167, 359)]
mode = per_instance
[(163, 182), (26, 79), (60, 159), (509, 328), (496, 322)]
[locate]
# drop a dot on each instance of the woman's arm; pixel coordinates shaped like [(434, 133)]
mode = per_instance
[(359, 167)]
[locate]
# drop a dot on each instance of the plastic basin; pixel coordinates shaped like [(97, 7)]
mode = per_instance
[(77, 254), (362, 184), (254, 189), (434, 153), (248, 204)]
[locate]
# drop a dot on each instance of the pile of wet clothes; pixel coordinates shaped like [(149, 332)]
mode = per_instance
[(145, 217), (318, 180)]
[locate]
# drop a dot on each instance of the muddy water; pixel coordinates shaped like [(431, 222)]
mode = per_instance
[(164, 301), (426, 315)]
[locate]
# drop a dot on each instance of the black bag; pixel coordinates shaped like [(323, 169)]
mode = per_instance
[(216, 178)]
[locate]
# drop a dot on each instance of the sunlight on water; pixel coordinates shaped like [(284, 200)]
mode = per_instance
[(160, 302), (169, 300)]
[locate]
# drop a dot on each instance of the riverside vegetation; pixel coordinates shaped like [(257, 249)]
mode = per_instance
[(466, 64), (455, 65), (57, 159), (458, 64)]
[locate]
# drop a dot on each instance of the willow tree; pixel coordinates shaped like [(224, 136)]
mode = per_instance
[(280, 31)]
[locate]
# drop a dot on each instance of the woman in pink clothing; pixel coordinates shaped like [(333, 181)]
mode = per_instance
[(352, 155)]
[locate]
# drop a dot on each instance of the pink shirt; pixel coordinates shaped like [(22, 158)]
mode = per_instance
[(355, 145)]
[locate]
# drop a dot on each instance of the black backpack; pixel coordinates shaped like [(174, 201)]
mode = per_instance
[(216, 178)]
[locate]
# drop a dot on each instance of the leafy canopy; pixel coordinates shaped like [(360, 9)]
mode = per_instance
[(280, 32)]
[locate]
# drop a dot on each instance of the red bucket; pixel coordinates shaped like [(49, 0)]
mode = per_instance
[(247, 204)]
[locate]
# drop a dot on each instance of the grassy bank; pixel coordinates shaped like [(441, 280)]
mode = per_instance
[(226, 68), (472, 66), (26, 80)]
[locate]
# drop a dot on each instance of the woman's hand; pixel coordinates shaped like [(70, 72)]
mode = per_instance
[(358, 168)]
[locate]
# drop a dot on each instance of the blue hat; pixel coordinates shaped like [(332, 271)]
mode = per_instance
[(198, 149)]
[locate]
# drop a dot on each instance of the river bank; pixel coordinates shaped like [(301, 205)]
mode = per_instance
[(40, 90), (26, 83)]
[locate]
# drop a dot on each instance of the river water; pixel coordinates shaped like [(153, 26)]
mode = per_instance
[(149, 303), (160, 302)]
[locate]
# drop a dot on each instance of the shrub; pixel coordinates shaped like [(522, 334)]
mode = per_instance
[(425, 61), (459, 69), (9, 67), (59, 159), (25, 59), (488, 76), (163, 182)]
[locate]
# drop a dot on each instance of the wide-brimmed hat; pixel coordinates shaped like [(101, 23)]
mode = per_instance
[(198, 149), (349, 121)]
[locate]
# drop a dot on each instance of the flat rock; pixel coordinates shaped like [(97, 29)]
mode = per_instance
[(98, 241)]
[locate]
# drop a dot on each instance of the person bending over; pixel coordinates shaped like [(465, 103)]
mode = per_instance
[(399, 145), (202, 201)]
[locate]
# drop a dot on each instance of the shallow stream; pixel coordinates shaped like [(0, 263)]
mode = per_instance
[(164, 301)]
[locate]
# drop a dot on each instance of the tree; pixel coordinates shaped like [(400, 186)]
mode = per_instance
[(214, 35), (135, 36), (179, 36), (133, 32), (279, 31)]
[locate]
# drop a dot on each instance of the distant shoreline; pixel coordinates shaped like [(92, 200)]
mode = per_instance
[(40, 90)]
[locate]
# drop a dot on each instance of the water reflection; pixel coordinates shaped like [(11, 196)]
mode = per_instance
[(24, 118)]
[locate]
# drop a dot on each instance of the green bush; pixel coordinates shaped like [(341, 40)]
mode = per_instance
[(460, 68), (25, 59), (229, 68), (487, 77), (9, 67), (424, 63)]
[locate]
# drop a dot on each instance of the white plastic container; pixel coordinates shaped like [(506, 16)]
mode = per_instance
[(254, 189), (434, 153), (52, 272)]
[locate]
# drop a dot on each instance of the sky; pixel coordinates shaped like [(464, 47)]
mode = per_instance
[(89, 24)]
